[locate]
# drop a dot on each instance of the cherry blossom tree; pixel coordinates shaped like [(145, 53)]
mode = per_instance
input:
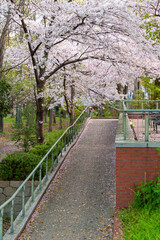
[(60, 33)]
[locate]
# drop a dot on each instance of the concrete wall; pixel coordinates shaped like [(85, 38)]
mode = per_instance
[(8, 188)]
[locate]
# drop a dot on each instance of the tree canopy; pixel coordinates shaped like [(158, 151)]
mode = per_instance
[(93, 45)]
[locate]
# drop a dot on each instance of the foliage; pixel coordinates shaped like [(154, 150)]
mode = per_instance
[(52, 137), (95, 113), (60, 44), (152, 87), (40, 149), (17, 166), (139, 95), (147, 194), (9, 120), (5, 89), (24, 131), (78, 110), (152, 28), (140, 224), (108, 112)]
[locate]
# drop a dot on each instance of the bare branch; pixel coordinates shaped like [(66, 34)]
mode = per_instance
[(9, 69)]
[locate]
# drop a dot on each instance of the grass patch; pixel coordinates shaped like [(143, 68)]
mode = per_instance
[(140, 224), (9, 120), (4, 133), (53, 135), (141, 220)]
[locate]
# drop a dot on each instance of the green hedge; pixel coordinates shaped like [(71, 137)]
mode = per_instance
[(17, 166)]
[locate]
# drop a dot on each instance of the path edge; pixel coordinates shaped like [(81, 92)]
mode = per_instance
[(117, 231)]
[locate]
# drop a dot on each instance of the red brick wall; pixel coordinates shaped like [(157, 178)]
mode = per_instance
[(133, 166)]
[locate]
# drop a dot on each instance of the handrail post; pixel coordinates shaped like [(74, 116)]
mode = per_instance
[(40, 177), (1, 223), (146, 127), (65, 142), (32, 188), (72, 133), (23, 201), (57, 153), (124, 125), (47, 168), (52, 161), (12, 213), (61, 147), (70, 136)]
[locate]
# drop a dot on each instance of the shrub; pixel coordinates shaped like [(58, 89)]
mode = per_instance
[(148, 194), (17, 166), (51, 138), (40, 150), (24, 132)]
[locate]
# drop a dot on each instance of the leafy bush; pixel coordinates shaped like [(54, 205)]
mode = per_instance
[(24, 132), (17, 166), (51, 138), (40, 150), (148, 194), (79, 110)]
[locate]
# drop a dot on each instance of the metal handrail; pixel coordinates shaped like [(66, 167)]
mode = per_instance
[(142, 102), (138, 116), (142, 110), (71, 131)]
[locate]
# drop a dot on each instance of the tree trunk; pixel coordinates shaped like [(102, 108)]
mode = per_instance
[(40, 86), (39, 121), (1, 124), (18, 114), (46, 115), (2, 42), (12, 108), (101, 111), (50, 121), (54, 116), (119, 88), (60, 120), (72, 115)]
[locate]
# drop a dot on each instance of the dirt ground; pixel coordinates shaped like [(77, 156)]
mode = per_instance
[(7, 146)]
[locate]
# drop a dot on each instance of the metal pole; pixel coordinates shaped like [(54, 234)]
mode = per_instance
[(12, 204), (1, 223), (47, 168), (52, 161), (146, 127), (23, 201), (65, 142), (124, 125), (57, 153), (61, 147), (40, 177), (32, 188)]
